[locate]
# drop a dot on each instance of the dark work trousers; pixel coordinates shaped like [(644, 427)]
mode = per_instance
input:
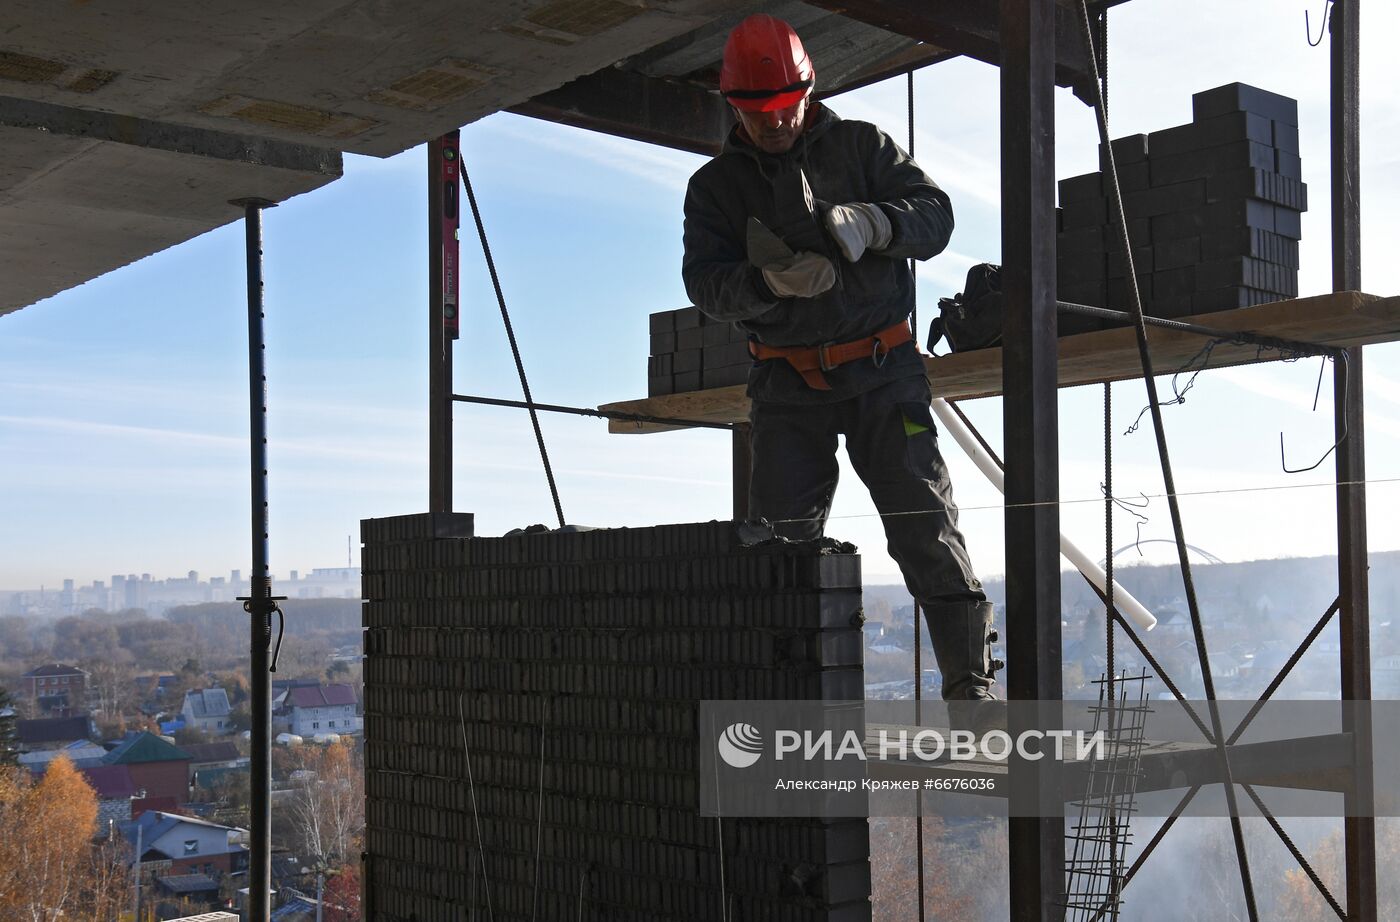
[(893, 446)]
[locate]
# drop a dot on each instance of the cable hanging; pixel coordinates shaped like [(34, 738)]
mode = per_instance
[(918, 631)]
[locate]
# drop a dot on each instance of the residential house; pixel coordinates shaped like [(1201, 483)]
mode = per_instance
[(160, 769), (173, 845), (1173, 621), (873, 630), (1385, 677), (1222, 666), (194, 890), (52, 732), (349, 655), (115, 792), (319, 709), (80, 752), (280, 687), (153, 687), (207, 709), (211, 762), (220, 754), (55, 686), (296, 907)]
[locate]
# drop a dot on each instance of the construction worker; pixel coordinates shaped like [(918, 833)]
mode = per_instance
[(800, 232)]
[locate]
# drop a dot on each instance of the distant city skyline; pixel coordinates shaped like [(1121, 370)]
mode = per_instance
[(155, 595)]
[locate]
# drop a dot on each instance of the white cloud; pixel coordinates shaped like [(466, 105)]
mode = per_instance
[(656, 165), (948, 269), (953, 166), (167, 438)]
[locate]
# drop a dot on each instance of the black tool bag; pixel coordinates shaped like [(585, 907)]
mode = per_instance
[(971, 319)]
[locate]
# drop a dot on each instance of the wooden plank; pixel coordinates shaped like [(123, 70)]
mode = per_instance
[(1347, 318)]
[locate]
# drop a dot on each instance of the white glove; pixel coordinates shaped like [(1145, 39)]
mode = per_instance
[(801, 275), (857, 227)]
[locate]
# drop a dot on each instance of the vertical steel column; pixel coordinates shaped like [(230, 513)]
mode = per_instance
[(1348, 397), (259, 603), (1030, 384), (443, 217), (743, 469)]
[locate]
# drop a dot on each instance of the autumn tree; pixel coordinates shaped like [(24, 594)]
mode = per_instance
[(8, 722), (327, 809), (111, 684), (894, 870), (79, 639), (189, 677), (341, 898), (45, 835), (107, 889), (235, 684)]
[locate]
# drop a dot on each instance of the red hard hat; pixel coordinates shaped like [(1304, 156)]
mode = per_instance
[(765, 66)]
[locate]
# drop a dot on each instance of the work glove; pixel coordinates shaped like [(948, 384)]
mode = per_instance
[(801, 275), (857, 227)]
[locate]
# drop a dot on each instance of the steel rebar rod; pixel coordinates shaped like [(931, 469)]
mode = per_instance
[(1287, 668), (1119, 219), (1293, 850), (1151, 846), (1291, 346), (586, 411)]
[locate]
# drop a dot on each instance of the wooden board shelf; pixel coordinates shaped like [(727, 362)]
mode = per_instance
[(1347, 318)]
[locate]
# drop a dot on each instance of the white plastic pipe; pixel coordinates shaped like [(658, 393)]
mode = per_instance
[(1122, 598)]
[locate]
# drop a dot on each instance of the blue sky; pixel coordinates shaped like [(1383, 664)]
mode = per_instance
[(123, 403)]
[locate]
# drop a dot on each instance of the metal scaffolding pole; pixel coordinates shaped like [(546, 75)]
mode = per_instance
[(444, 170), (1350, 421), (259, 603), (1030, 383)]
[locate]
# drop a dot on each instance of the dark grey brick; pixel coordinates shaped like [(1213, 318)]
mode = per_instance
[(1240, 97)]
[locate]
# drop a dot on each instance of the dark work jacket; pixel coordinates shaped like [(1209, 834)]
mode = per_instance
[(845, 161)]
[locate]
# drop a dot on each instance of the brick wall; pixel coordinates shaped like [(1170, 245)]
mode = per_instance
[(597, 646)]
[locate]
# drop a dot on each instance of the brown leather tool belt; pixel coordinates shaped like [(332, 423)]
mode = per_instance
[(811, 361)]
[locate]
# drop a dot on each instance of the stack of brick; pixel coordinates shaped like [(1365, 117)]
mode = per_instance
[(538, 694), (1214, 211), (691, 352)]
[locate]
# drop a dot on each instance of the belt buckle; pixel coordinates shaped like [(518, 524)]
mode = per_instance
[(822, 356)]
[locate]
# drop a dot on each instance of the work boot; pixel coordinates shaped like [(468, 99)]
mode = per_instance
[(962, 638)]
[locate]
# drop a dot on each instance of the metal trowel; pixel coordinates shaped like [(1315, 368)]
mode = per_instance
[(764, 246), (798, 213)]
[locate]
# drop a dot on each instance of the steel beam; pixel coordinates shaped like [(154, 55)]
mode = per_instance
[(68, 121), (1031, 420), (971, 27), (629, 105), (1349, 410), (907, 61), (442, 199)]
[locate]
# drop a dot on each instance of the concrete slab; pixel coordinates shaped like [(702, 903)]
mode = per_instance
[(73, 209), (369, 76), (195, 94)]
